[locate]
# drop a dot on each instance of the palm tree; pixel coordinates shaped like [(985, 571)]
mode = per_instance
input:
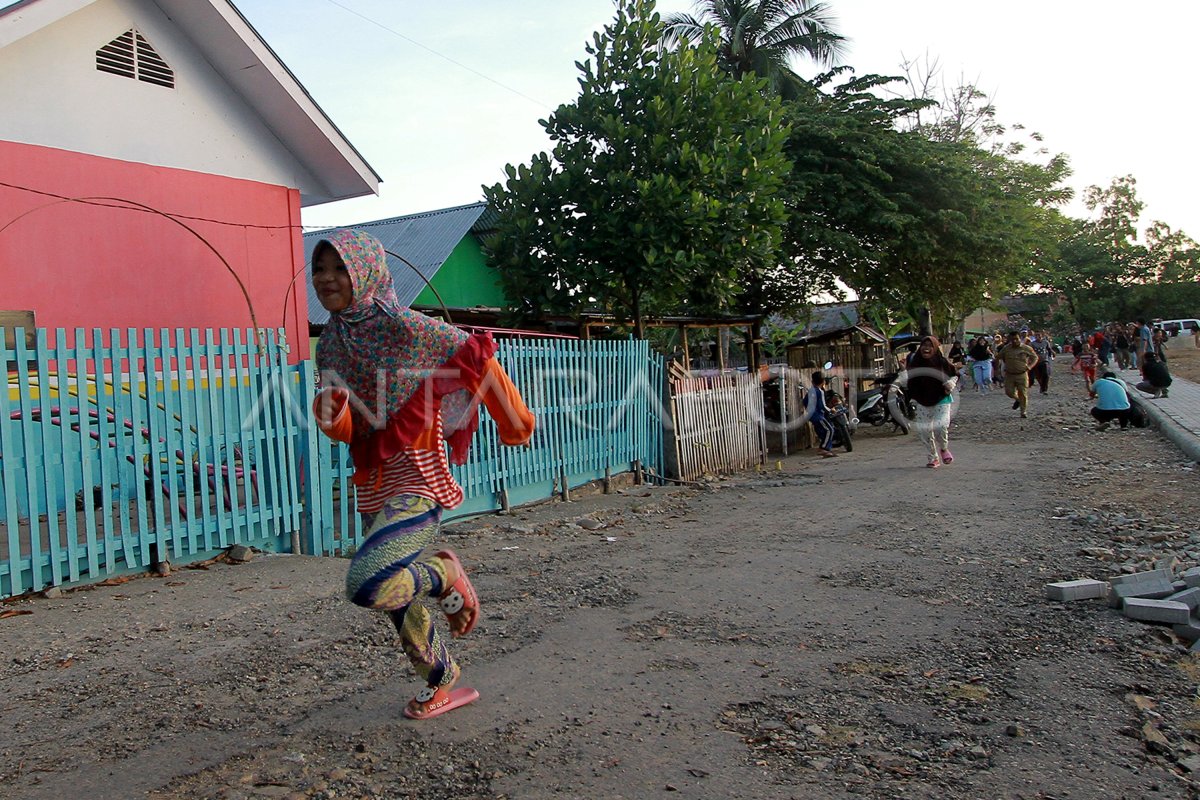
[(760, 37)]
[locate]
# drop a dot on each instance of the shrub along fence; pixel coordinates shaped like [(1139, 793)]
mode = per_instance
[(121, 449)]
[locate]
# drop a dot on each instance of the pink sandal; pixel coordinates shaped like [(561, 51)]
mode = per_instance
[(459, 601), (435, 700)]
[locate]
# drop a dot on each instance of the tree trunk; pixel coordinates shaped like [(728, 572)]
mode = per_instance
[(925, 321)]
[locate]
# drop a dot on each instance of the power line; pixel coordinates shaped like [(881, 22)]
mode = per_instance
[(123, 204), (440, 55)]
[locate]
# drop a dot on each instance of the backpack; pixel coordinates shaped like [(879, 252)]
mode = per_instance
[(1137, 417)]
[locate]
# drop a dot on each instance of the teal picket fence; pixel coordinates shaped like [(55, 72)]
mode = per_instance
[(120, 449), (599, 410), (123, 448)]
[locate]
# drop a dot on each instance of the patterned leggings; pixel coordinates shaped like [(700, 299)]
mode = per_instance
[(388, 574)]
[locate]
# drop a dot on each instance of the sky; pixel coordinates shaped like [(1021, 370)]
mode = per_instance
[(439, 97)]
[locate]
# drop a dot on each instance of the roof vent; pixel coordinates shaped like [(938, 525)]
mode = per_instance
[(131, 56)]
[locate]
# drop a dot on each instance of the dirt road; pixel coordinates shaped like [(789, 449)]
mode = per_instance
[(1183, 359), (851, 627)]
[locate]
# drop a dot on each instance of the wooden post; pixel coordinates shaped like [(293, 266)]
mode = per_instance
[(722, 338), (752, 350), (784, 409), (687, 356)]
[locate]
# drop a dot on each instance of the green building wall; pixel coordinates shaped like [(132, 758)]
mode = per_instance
[(465, 280)]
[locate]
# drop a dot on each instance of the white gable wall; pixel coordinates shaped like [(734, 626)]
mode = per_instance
[(51, 94)]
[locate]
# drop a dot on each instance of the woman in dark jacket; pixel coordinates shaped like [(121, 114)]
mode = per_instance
[(981, 363), (931, 379)]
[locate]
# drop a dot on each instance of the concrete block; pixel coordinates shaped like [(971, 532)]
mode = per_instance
[(1167, 562), (1157, 611), (1078, 590), (1191, 597), (1191, 576), (1195, 648), (1155, 587), (1188, 631), (1141, 577)]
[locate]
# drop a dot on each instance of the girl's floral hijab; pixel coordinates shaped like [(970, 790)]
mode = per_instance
[(380, 350)]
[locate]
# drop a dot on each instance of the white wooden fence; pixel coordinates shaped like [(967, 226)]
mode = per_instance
[(783, 399), (718, 423)]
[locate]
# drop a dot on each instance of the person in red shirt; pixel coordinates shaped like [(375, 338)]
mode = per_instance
[(1086, 362)]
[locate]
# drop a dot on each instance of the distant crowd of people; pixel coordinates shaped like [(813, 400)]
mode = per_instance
[(1023, 359), (1016, 362)]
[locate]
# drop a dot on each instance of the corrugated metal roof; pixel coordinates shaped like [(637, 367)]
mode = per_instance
[(821, 320), (486, 223), (426, 240)]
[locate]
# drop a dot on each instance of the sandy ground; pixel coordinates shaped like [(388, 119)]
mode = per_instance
[(1183, 359), (851, 627)]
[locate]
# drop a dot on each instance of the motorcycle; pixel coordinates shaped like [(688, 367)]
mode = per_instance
[(887, 402), (844, 425)]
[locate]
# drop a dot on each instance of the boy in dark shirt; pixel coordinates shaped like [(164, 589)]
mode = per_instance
[(818, 415)]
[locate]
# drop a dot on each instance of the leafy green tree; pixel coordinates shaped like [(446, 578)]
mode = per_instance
[(761, 37), (975, 207), (1105, 272), (916, 221), (662, 192), (842, 145), (912, 224), (1171, 256)]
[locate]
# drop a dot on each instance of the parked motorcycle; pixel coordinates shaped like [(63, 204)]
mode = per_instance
[(844, 425), (887, 402)]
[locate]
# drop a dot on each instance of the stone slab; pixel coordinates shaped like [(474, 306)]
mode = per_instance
[(1143, 577), (1191, 576), (1190, 597), (1156, 611), (1080, 590), (1188, 631), (1155, 588)]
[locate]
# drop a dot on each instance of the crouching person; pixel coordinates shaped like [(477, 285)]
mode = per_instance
[(1157, 378), (1112, 402)]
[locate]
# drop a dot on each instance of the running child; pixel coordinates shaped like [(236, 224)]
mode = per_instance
[(1086, 362), (428, 379)]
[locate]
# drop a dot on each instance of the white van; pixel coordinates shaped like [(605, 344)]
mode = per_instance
[(1175, 327)]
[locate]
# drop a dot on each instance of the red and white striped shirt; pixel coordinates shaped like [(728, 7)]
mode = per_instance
[(424, 473)]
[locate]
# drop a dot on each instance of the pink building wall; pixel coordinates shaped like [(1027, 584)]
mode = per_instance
[(90, 266)]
